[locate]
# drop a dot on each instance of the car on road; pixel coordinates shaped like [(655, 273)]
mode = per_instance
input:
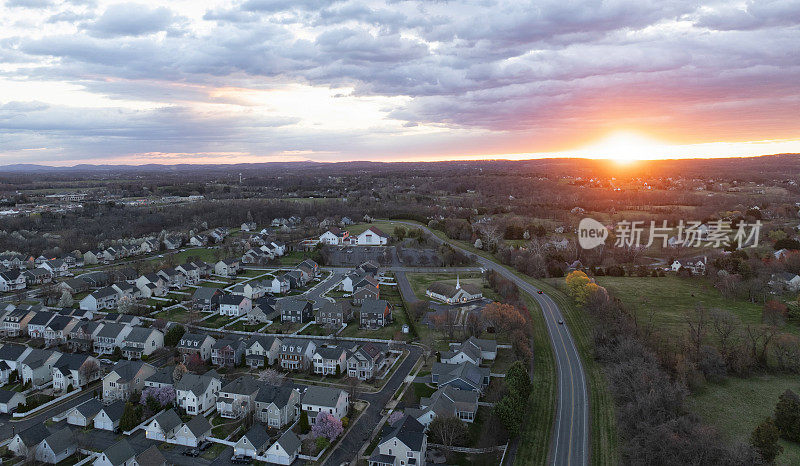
[(161, 255), (204, 445), (106, 361), (540, 292), (240, 459), (560, 322), (194, 452)]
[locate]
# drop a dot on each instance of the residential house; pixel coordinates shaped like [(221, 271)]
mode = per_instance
[(278, 285), (277, 406), (190, 273), (172, 278), (141, 341), (118, 454), (261, 350), (39, 322), (57, 447), (474, 350), (464, 376), (330, 360), (9, 400), (109, 416), (173, 242), (12, 280), (447, 402), (334, 236), (372, 236), (164, 426), (37, 367), (125, 378), (206, 299), (365, 362), (285, 450), (151, 284), (197, 394), (253, 443), (83, 415), (228, 351), (111, 336), (104, 298), (74, 285), (57, 330), (296, 279), (317, 399), (195, 343), (96, 279), (199, 240), (28, 440), (296, 354), (56, 267), (227, 267), (237, 398), (93, 257), (404, 443), (125, 274), (295, 310), (234, 305), (335, 315), (151, 457), (37, 276), (161, 378), (12, 354), (15, 322), (366, 292), (74, 370), (193, 432), (786, 281), (375, 313), (83, 335)]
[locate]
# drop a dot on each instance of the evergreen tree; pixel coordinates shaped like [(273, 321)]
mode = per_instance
[(304, 427), (787, 415), (764, 440)]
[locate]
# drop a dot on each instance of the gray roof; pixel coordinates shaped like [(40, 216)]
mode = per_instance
[(187, 340), (289, 442), (139, 334), (162, 376), (331, 352), (374, 306), (197, 384), (11, 351), (292, 305), (151, 457), (257, 436), (34, 434), (231, 299), (6, 395), (241, 386), (114, 410), (90, 408), (111, 330), (272, 394), (321, 396), (127, 370), (41, 318), (168, 420), (61, 440), (204, 293), (409, 431), (120, 452), (104, 292), (71, 362), (199, 425)]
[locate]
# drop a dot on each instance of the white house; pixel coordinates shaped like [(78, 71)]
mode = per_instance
[(164, 426), (405, 444), (285, 450), (234, 305), (104, 298), (330, 400), (253, 443), (57, 447), (118, 454), (109, 416), (9, 400), (83, 415), (193, 432), (197, 394), (372, 236)]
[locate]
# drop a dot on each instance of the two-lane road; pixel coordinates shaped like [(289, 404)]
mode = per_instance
[(570, 442)]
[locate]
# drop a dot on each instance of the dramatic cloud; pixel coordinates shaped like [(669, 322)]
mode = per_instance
[(354, 79)]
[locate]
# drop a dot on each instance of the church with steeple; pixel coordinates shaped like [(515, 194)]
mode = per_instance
[(454, 294)]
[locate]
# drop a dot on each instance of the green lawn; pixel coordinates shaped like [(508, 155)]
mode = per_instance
[(737, 406), (178, 314), (386, 227), (243, 326), (671, 297), (392, 295), (216, 321), (204, 254), (315, 329), (420, 282)]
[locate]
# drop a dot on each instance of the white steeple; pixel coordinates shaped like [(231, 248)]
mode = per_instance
[(458, 283)]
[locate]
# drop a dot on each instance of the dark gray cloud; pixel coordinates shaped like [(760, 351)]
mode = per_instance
[(534, 68), (131, 19)]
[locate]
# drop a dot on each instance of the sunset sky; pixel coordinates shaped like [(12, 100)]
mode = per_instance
[(84, 81)]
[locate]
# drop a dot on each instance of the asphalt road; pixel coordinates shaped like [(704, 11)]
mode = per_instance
[(570, 442), (359, 434)]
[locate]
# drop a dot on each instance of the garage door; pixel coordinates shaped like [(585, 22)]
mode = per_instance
[(277, 459), (187, 441), (244, 451), (76, 420), (104, 424)]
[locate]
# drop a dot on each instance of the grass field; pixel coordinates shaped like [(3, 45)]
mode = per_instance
[(204, 254), (737, 406), (392, 295), (358, 228), (421, 281), (671, 297), (216, 321), (178, 314)]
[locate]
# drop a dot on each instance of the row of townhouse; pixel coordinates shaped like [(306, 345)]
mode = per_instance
[(360, 361), (261, 250), (41, 366), (134, 341), (39, 322)]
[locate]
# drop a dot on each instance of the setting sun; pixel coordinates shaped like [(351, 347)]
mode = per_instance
[(626, 147)]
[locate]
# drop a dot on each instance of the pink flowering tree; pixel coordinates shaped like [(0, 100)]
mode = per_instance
[(326, 426), (163, 395), (394, 417)]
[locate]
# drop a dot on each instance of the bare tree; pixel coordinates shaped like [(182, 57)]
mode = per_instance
[(271, 376), (697, 323), (353, 387), (447, 430), (725, 326), (89, 371)]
